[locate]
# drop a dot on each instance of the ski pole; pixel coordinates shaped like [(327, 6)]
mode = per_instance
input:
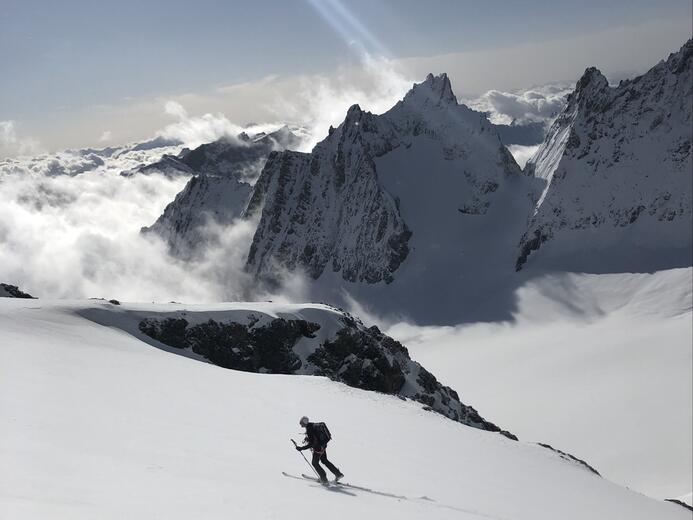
[(304, 458)]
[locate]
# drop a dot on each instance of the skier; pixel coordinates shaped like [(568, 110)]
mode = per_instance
[(317, 437)]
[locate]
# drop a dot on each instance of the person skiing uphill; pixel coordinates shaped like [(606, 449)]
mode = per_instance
[(317, 437)]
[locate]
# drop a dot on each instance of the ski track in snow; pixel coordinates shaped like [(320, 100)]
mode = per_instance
[(334, 486)]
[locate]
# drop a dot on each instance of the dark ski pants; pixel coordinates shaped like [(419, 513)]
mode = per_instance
[(321, 456)]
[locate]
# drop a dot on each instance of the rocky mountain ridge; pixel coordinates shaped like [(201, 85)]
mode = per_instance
[(617, 163)]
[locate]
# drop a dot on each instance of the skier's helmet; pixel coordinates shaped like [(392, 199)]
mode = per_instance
[(303, 421)]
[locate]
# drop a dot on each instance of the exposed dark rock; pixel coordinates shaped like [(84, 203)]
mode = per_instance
[(356, 358), (12, 291), (568, 456), (528, 245), (171, 331), (234, 345)]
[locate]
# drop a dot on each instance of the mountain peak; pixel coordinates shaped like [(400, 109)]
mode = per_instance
[(354, 111), (434, 90), (593, 80)]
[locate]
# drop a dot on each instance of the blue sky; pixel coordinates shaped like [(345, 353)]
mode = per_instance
[(58, 58)]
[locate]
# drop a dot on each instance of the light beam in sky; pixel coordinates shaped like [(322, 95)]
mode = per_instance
[(348, 27)]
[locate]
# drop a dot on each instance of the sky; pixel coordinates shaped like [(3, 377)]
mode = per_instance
[(80, 73)]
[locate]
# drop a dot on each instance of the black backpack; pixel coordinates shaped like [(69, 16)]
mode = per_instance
[(322, 433)]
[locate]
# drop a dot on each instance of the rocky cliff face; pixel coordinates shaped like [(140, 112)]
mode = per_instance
[(338, 209), (617, 163)]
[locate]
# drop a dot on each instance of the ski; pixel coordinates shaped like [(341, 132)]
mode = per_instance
[(354, 486), (315, 479), (345, 484), (305, 477)]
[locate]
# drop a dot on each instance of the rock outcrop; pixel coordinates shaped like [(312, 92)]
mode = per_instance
[(12, 291), (353, 354)]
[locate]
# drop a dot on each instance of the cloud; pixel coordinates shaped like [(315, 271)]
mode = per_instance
[(77, 236), (12, 145), (522, 153), (618, 52), (322, 101), (175, 109), (536, 104), (194, 131), (315, 101), (106, 136)]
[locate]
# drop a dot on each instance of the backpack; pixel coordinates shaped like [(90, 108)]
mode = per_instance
[(322, 433)]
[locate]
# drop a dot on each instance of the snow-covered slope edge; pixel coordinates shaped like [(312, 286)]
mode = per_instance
[(97, 424), (306, 339), (618, 166)]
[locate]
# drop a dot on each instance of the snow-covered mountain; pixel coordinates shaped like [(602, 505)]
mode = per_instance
[(223, 173), (108, 426), (617, 163), (332, 209), (397, 204)]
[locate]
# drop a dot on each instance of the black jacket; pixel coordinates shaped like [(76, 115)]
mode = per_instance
[(311, 440)]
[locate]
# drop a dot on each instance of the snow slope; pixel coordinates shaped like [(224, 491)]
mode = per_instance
[(598, 365), (97, 424)]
